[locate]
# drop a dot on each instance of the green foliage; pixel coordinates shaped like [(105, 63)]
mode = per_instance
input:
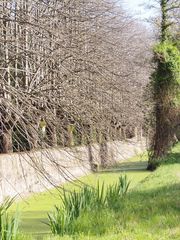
[(8, 225), (116, 192), (59, 221), (63, 219), (168, 71), (74, 203), (169, 54), (166, 85)]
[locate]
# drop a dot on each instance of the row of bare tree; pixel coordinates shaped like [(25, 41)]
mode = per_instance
[(71, 72)]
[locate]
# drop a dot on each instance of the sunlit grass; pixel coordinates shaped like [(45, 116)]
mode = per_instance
[(35, 208), (150, 211)]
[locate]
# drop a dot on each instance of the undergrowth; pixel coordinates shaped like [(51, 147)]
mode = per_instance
[(79, 207)]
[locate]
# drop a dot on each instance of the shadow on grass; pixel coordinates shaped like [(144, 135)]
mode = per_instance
[(159, 206), (156, 211), (172, 158), (128, 166)]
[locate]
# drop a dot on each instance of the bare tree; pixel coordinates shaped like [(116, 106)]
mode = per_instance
[(72, 72)]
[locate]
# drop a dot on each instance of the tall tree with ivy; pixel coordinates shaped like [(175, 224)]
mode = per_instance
[(166, 85)]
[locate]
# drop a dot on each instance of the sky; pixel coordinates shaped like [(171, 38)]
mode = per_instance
[(138, 8)]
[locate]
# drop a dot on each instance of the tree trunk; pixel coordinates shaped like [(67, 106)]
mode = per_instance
[(163, 135), (6, 141)]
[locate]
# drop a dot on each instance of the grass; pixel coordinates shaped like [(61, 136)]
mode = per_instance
[(8, 225), (150, 211), (138, 162), (89, 202), (35, 208)]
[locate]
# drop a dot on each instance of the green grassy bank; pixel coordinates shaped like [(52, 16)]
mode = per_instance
[(151, 210), (34, 209)]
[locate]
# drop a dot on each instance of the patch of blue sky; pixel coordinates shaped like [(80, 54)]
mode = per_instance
[(139, 8)]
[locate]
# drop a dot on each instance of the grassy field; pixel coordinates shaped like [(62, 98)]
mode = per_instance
[(150, 211)]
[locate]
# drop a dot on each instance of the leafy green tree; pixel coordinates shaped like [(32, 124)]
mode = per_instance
[(166, 85)]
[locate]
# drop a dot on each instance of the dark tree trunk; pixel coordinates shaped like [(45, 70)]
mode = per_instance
[(6, 141)]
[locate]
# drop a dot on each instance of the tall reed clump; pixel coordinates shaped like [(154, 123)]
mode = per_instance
[(116, 192), (8, 225), (62, 220)]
